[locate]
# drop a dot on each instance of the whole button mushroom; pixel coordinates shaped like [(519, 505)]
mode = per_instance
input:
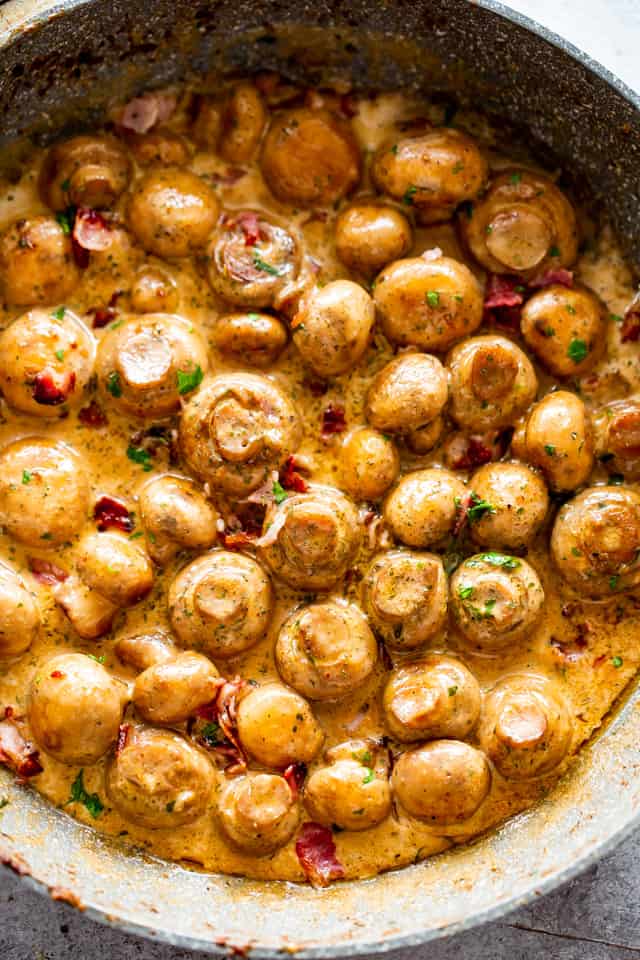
[(75, 708), (617, 437), (19, 615), (408, 394), (442, 782), (369, 236), (147, 363), (405, 598), (154, 290), (311, 538), (277, 728), (432, 173), (525, 728), (252, 259), (332, 327), (594, 542), (352, 789), (326, 650), (159, 148), (492, 383), (496, 601), (175, 514), (436, 697), (85, 171), (44, 493), (36, 262), (522, 225), (221, 603), (519, 504), (250, 339), (172, 211), (237, 430), (428, 302), (369, 463), (158, 779), (171, 692), (556, 437), (144, 650), (310, 157), (258, 813), (46, 362), (232, 126), (421, 511), (565, 328)]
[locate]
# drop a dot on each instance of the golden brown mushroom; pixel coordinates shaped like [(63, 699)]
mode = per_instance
[(369, 236), (519, 504), (19, 615), (250, 339), (168, 693), (258, 813), (408, 394), (36, 262), (557, 438), (172, 212), (443, 782), (332, 327), (422, 509), (565, 328), (176, 514), (85, 171), (352, 790), (277, 728), (617, 437), (369, 463)]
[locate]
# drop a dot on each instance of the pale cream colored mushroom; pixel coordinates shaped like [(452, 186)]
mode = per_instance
[(556, 437), (352, 789), (435, 697), (175, 515), (277, 728), (168, 693), (332, 327), (20, 617), (258, 813)]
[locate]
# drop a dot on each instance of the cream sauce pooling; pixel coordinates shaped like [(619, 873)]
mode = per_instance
[(589, 674)]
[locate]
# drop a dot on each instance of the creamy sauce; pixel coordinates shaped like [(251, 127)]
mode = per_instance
[(590, 677)]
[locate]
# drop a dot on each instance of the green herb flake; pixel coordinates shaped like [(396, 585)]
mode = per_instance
[(91, 801), (4, 802), (615, 480), (458, 168), (613, 581), (370, 775), (188, 380), (570, 309), (616, 318), (577, 350), (409, 194), (465, 593), (261, 264), (279, 492), (65, 186), (141, 456), (432, 297), (549, 449), (99, 659), (211, 734), (58, 313), (60, 355), (26, 476), (65, 220), (576, 552), (478, 508), (515, 178), (554, 251), (363, 757), (114, 385), (617, 662), (452, 691), (495, 560), (394, 149)]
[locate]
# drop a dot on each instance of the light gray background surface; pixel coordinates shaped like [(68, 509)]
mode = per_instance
[(597, 916)]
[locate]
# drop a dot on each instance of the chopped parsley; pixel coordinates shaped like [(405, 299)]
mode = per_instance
[(99, 659), (188, 380), (409, 194), (549, 449), (114, 385), (478, 508), (452, 691), (577, 351), (370, 775), (141, 456), (364, 757), (91, 801), (515, 177), (554, 251), (613, 581), (211, 734), (496, 560), (65, 219), (279, 492), (570, 309), (617, 662), (261, 264), (60, 355), (458, 168), (4, 802), (58, 313), (394, 149), (616, 317), (26, 476), (465, 593), (432, 297)]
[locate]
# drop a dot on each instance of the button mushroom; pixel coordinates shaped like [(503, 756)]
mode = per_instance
[(369, 463), (36, 262), (369, 236), (407, 395), (251, 339), (332, 327), (258, 813), (19, 615), (277, 728), (175, 514), (443, 782), (565, 328), (422, 509), (169, 693), (85, 171), (519, 503), (172, 211), (352, 790), (617, 437), (556, 437)]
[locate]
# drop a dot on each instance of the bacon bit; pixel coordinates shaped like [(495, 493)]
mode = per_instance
[(143, 113), (49, 393), (250, 226), (570, 650), (316, 852), (123, 736), (229, 177), (502, 291), (92, 416), (315, 386), (560, 276), (462, 510), (91, 230), (57, 675), (67, 896), (223, 710), (599, 660), (290, 477), (475, 455), (104, 315), (349, 105), (241, 540), (109, 512), (333, 421), (294, 775), (630, 330), (16, 752), (46, 572)]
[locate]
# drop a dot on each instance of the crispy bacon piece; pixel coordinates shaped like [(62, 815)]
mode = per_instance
[(92, 416), (238, 540), (250, 226), (104, 315), (123, 735), (570, 650), (109, 512), (462, 510), (316, 386), (333, 421), (294, 775), (50, 389), (316, 852), (57, 674), (467, 452), (143, 113), (91, 231), (630, 330), (291, 479), (560, 275), (16, 752), (46, 572), (474, 455), (229, 177), (502, 291), (223, 711)]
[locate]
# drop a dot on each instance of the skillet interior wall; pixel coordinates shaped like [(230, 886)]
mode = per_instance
[(57, 74)]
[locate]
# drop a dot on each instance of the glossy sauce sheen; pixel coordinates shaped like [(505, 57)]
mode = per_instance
[(589, 675)]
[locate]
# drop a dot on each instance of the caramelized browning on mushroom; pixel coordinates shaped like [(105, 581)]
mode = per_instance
[(258, 813), (422, 509), (332, 327), (172, 212), (369, 236), (556, 437), (443, 782), (352, 790), (277, 728), (565, 328), (175, 514), (36, 263)]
